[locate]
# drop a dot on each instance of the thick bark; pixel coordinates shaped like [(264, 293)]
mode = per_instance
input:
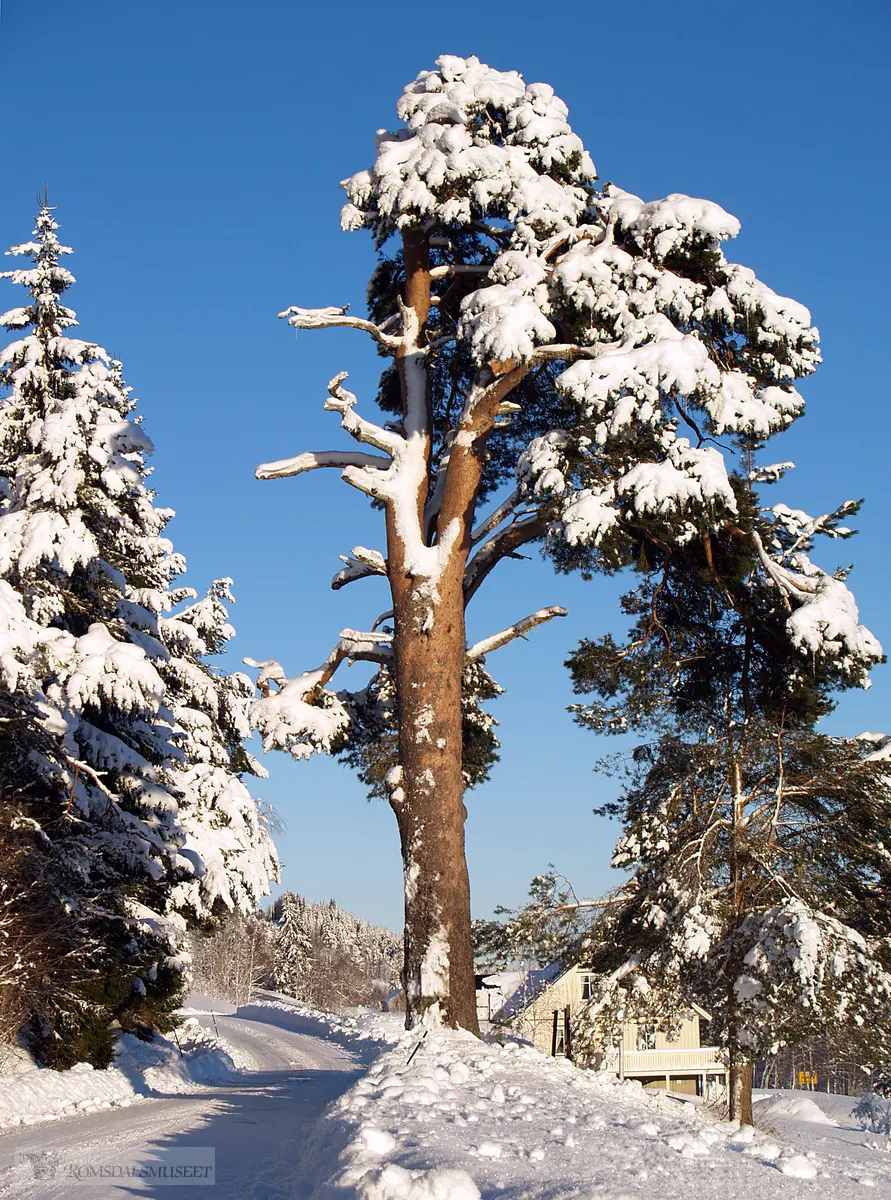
[(428, 654), (426, 574), (740, 1089), (429, 807)]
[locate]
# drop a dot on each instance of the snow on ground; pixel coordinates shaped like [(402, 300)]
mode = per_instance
[(820, 1123), (352, 1107), (30, 1094), (355, 1025), (252, 1120), (801, 1107), (443, 1116), (197, 1004)]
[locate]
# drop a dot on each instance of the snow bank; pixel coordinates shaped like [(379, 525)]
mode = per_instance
[(377, 1029), (30, 1094), (198, 1004), (445, 1116), (802, 1108)]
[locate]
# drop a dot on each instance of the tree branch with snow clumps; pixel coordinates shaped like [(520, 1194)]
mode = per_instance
[(572, 351), (130, 775)]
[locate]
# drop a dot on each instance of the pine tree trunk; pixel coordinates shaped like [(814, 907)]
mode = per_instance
[(740, 1106), (429, 806), (429, 650)]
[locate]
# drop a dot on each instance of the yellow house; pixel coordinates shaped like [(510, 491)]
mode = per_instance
[(540, 1005)]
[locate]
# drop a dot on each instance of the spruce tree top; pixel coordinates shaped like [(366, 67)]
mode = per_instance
[(150, 737), (71, 454)]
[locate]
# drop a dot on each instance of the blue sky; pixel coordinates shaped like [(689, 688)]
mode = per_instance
[(194, 151)]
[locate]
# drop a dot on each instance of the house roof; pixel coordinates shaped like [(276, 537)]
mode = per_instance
[(520, 988)]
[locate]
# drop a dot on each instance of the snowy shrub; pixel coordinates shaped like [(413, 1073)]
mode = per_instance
[(873, 1113)]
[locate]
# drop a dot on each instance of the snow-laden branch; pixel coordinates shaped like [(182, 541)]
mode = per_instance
[(353, 645), (336, 318), (520, 629), (270, 672), (822, 613), (449, 269), (354, 641), (794, 521), (343, 401), (302, 716), (360, 565), (312, 460)]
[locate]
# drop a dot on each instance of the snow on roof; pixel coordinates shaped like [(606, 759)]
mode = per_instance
[(520, 988)]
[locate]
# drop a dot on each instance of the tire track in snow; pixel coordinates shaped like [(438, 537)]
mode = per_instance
[(296, 1075)]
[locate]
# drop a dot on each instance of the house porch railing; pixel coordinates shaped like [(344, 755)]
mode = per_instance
[(643, 1062)]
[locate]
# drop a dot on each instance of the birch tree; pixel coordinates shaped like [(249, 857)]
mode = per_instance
[(563, 352)]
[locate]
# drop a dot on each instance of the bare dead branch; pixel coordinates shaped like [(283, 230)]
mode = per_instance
[(357, 647), (496, 233), (343, 401), (336, 318), (312, 460), (82, 768), (360, 565), (353, 645), (502, 545), (561, 350), (520, 629), (495, 518), (449, 269)]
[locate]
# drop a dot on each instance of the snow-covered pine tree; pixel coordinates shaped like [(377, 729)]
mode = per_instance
[(133, 791), (572, 345), (761, 876), (547, 929)]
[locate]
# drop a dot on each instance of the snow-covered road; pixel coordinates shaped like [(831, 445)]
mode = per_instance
[(292, 1074)]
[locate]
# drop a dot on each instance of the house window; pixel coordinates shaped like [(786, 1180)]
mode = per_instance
[(646, 1037), (587, 986)]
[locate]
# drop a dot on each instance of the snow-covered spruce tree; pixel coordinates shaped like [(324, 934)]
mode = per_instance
[(761, 871), (574, 346), (134, 792), (226, 830), (331, 958), (293, 945)]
